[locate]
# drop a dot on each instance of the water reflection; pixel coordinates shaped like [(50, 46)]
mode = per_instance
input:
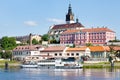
[(60, 74)]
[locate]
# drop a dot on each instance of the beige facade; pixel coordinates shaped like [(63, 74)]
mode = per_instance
[(37, 37), (23, 53)]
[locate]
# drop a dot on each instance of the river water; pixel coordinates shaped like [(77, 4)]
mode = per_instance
[(60, 74)]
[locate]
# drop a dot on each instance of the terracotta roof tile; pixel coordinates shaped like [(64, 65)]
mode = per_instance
[(28, 47), (70, 31), (76, 49), (96, 48), (63, 26), (88, 30), (106, 48), (104, 29), (116, 48), (54, 49)]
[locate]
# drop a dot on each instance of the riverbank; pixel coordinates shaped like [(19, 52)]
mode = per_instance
[(101, 65), (12, 64)]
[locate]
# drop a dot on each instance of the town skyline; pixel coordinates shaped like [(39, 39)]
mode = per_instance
[(22, 17)]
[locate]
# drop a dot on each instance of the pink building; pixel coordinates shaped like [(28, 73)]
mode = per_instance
[(83, 36)]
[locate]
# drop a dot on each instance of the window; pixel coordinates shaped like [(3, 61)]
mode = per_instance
[(27, 53), (72, 54), (68, 54), (77, 54), (60, 54), (55, 54), (48, 54)]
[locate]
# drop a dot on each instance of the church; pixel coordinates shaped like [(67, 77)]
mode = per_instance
[(56, 30)]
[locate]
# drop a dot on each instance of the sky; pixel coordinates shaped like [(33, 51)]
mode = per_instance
[(22, 17)]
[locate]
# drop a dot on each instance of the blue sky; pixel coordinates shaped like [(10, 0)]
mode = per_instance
[(21, 17)]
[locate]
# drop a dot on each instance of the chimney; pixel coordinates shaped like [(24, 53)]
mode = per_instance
[(30, 39)]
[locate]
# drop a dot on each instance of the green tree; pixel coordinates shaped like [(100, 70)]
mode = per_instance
[(8, 43), (34, 41), (89, 44), (45, 37), (6, 55)]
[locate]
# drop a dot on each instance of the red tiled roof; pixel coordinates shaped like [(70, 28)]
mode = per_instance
[(25, 48), (96, 48), (116, 48), (77, 49), (88, 30), (104, 29), (63, 26), (54, 49), (106, 48), (70, 31)]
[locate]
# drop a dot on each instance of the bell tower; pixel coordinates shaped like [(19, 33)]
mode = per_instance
[(69, 15)]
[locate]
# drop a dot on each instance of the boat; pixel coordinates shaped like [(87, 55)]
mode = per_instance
[(59, 63), (29, 65), (69, 63), (47, 63)]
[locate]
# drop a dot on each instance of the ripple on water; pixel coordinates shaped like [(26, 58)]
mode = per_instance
[(59, 74)]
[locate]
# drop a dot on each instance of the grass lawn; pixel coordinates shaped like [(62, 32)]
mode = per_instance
[(12, 64), (101, 65), (3, 61)]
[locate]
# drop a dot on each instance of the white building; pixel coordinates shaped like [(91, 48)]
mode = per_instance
[(23, 53)]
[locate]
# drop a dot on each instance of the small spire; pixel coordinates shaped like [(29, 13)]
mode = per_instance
[(77, 20), (70, 9), (69, 6)]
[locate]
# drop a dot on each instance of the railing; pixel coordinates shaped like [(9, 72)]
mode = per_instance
[(97, 59)]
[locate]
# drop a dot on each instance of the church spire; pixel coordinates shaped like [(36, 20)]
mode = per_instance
[(69, 15), (70, 9)]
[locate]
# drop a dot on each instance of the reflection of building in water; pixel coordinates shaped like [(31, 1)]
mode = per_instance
[(68, 72), (101, 73)]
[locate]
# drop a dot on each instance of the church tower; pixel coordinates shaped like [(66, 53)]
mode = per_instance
[(69, 15)]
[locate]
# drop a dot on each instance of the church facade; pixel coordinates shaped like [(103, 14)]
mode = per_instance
[(56, 30)]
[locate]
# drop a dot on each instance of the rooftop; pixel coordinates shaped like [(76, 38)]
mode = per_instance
[(77, 49), (54, 49), (27, 47), (89, 30), (64, 26)]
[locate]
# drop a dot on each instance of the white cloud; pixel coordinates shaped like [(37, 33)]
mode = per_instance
[(30, 23), (58, 21)]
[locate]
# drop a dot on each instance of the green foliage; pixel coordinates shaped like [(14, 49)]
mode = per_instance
[(6, 55), (40, 41), (45, 37), (8, 43), (34, 41), (71, 46), (54, 41), (89, 44), (114, 41)]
